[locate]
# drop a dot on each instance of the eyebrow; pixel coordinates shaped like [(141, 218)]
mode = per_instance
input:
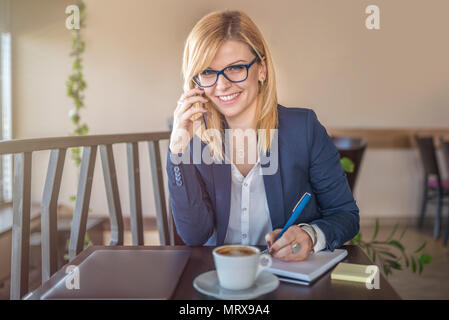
[(229, 64)]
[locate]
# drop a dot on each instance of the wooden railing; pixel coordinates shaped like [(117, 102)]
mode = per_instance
[(23, 152)]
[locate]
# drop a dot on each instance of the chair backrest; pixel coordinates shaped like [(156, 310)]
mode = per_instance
[(353, 148), (428, 155), (23, 151), (444, 145)]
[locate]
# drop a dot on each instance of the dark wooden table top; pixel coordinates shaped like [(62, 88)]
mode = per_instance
[(201, 261)]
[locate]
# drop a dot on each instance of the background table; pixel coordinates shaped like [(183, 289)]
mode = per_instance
[(201, 260)]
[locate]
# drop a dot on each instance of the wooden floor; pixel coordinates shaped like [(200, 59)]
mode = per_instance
[(433, 283)]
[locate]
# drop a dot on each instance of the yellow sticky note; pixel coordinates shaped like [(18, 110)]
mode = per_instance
[(355, 272)]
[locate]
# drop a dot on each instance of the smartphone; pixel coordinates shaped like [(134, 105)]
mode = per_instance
[(204, 114)]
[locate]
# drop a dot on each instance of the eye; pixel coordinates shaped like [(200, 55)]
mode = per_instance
[(207, 72), (236, 68)]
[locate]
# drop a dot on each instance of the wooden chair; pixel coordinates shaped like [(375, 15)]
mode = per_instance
[(444, 145), (434, 188), (353, 148), (23, 151)]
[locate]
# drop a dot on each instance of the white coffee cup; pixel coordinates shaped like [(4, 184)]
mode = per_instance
[(238, 266)]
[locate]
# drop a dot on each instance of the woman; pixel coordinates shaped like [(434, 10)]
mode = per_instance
[(227, 69)]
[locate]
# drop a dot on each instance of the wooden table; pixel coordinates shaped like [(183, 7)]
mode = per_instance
[(201, 260)]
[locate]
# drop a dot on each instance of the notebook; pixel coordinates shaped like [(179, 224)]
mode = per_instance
[(307, 271), (355, 272)]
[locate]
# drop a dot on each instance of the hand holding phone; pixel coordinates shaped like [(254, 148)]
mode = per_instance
[(182, 118)]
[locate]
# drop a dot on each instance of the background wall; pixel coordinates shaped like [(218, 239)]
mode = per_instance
[(324, 59)]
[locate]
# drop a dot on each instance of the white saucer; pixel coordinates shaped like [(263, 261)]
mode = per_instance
[(207, 283)]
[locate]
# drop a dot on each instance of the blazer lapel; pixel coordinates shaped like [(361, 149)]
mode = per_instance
[(222, 182), (222, 179), (275, 195)]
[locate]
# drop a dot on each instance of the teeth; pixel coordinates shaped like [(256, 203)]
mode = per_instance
[(227, 98)]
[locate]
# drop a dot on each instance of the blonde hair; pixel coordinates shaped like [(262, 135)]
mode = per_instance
[(202, 44)]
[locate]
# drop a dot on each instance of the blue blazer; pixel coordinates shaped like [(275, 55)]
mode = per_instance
[(308, 162)]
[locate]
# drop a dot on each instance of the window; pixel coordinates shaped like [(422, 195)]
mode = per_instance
[(5, 100)]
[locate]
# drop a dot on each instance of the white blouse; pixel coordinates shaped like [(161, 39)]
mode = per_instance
[(249, 218)]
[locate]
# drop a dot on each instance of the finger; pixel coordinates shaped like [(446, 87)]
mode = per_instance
[(286, 253), (288, 237), (191, 93), (188, 102), (192, 111), (270, 237)]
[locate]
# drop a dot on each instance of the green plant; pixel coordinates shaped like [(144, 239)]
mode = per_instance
[(380, 251), (75, 86), (347, 164)]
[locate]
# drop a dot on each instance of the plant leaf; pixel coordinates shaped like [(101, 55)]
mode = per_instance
[(425, 258), (347, 164), (403, 232), (422, 247), (394, 264), (386, 268), (420, 266), (392, 232), (376, 230), (413, 265), (374, 256), (387, 253), (357, 238), (397, 244)]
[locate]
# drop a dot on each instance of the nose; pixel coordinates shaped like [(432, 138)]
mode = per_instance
[(222, 83)]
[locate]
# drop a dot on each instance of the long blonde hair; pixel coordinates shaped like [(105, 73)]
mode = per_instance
[(202, 44)]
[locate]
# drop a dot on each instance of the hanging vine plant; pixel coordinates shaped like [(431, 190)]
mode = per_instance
[(76, 84)]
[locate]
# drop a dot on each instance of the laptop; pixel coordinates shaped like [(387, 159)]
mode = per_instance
[(124, 274)]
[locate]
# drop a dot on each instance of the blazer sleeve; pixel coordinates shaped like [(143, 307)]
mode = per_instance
[(339, 212), (193, 213)]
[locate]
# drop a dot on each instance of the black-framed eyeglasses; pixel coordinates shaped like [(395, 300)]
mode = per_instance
[(234, 73)]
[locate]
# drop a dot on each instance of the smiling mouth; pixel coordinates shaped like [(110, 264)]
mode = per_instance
[(230, 97)]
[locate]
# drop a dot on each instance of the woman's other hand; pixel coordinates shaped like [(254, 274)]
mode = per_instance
[(282, 248)]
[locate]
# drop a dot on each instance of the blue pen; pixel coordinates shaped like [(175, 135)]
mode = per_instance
[(295, 214)]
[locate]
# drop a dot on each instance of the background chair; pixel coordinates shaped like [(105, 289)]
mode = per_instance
[(434, 188), (353, 148), (23, 151), (444, 145)]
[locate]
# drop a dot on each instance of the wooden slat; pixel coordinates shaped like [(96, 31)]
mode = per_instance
[(159, 193), (79, 220), (29, 145), (21, 225), (49, 232), (135, 198), (110, 180)]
